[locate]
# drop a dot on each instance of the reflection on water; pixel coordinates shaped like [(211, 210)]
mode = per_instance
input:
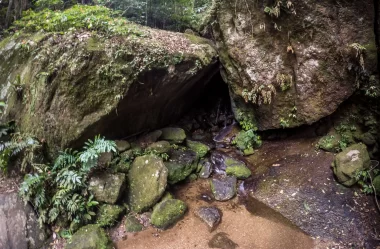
[(260, 209)]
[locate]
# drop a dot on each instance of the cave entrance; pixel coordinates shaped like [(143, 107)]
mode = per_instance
[(212, 109)]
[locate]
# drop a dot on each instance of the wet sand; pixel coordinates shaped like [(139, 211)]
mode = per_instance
[(263, 228)]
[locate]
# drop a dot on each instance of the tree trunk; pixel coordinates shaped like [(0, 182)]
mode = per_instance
[(9, 13)]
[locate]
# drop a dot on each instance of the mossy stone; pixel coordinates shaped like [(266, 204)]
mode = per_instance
[(167, 213), (108, 215), (237, 168), (107, 187), (173, 135), (167, 196), (122, 145), (180, 165), (200, 148), (159, 147), (133, 225), (90, 237), (348, 162), (147, 181)]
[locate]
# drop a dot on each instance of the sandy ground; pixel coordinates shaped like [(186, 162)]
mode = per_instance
[(264, 229)]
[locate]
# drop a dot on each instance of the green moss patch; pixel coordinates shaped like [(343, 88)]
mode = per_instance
[(168, 212), (108, 215)]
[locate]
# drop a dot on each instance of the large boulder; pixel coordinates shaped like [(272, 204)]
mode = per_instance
[(147, 181), (90, 237), (19, 226), (349, 162), (79, 84), (107, 187), (294, 64)]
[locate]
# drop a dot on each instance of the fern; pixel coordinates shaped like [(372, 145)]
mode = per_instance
[(57, 190), (66, 158)]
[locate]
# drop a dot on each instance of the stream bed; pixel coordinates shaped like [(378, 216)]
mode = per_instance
[(290, 201)]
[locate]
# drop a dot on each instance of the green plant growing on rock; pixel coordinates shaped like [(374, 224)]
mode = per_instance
[(259, 94), (18, 143), (279, 5), (360, 50), (366, 180), (247, 139), (59, 191), (285, 81), (285, 122)]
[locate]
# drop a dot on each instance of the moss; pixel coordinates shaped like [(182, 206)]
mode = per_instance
[(90, 236), (237, 168), (94, 44), (133, 225), (108, 215), (167, 196), (168, 212), (173, 135), (200, 148)]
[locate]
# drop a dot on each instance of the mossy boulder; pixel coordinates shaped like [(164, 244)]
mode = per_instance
[(350, 161), (159, 147), (108, 215), (80, 84), (133, 225), (90, 237), (173, 135), (167, 213), (147, 181), (259, 52), (237, 168), (107, 187), (200, 148), (180, 165)]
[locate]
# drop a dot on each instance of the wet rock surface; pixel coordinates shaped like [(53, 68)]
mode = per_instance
[(209, 215), (223, 187), (221, 240), (312, 200), (19, 228), (205, 168)]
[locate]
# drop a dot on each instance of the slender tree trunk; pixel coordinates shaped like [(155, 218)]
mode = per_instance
[(9, 13)]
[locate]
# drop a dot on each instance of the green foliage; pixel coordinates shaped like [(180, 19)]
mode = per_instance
[(94, 18), (284, 81), (285, 122), (364, 178), (17, 144), (275, 10), (60, 190), (247, 139), (49, 4), (176, 15)]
